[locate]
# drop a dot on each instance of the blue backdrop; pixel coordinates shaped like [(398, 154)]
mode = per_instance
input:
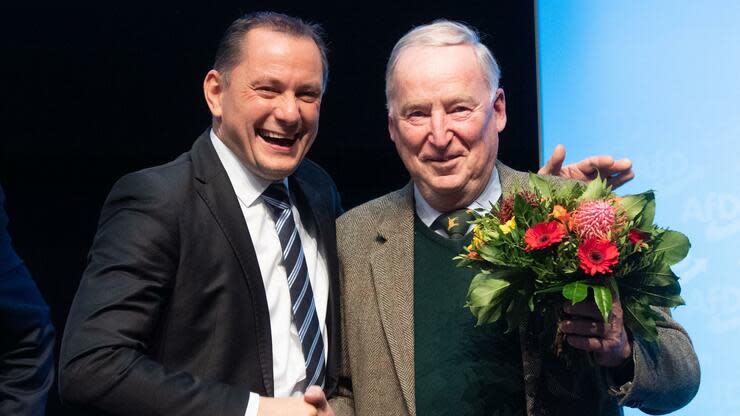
[(659, 82)]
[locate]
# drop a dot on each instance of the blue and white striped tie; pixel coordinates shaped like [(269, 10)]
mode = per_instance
[(304, 307)]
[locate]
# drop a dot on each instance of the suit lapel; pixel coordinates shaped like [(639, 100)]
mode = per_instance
[(393, 273), (309, 200), (213, 185)]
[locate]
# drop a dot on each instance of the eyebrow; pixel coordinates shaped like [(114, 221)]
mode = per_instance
[(456, 99), (313, 86), (412, 106)]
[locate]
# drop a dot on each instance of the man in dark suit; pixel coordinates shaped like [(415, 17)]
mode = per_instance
[(212, 280), (26, 334)]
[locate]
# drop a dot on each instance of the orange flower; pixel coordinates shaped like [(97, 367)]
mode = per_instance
[(544, 235), (597, 256), (561, 214)]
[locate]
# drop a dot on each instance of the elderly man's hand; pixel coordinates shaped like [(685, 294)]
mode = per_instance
[(315, 397), (617, 172), (585, 329)]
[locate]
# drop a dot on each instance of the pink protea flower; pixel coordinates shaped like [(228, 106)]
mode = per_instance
[(594, 219)]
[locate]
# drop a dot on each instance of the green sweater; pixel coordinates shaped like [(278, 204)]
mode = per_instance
[(460, 369)]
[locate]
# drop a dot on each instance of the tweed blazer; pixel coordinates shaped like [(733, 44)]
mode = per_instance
[(375, 246)]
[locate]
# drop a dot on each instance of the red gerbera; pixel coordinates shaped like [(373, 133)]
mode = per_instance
[(597, 256), (543, 235)]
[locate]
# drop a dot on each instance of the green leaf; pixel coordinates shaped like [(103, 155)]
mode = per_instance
[(541, 185), (484, 289), (603, 299), (486, 296), (635, 204), (666, 296), (565, 190), (575, 291), (500, 293), (663, 276), (491, 254), (673, 245), (640, 320), (596, 189), (648, 213), (521, 208)]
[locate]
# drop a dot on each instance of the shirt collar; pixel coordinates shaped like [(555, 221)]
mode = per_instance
[(490, 195), (247, 186)]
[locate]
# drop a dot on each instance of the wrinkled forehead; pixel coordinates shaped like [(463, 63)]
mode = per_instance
[(425, 70)]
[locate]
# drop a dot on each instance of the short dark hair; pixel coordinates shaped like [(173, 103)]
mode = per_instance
[(228, 53)]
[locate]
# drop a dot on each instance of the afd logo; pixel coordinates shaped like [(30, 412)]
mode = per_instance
[(718, 212), (672, 174), (719, 307), (711, 296)]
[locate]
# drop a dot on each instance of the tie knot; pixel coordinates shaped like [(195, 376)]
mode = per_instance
[(277, 195), (454, 223)]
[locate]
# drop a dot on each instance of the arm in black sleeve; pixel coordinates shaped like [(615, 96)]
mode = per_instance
[(105, 360), (27, 340)]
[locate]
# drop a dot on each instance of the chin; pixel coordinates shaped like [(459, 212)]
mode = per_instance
[(451, 181), (446, 187)]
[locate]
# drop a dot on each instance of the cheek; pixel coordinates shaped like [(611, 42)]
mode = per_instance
[(468, 132), (310, 113), (412, 138), (255, 110)]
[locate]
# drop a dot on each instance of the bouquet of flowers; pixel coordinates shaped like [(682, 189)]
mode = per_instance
[(540, 246)]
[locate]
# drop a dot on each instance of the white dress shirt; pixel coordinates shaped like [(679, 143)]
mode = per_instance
[(288, 364), (490, 195)]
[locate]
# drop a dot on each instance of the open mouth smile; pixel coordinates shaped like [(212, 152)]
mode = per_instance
[(277, 139)]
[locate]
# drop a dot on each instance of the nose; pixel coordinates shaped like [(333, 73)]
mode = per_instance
[(286, 110), (439, 136)]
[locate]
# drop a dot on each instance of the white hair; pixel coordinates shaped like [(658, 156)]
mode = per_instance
[(443, 33)]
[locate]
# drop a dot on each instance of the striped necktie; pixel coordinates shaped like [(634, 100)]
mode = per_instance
[(304, 307)]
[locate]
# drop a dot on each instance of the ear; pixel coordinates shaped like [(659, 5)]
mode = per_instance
[(213, 88), (499, 107), (391, 128)]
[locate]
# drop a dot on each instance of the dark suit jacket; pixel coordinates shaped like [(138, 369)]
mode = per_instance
[(171, 316), (26, 334)]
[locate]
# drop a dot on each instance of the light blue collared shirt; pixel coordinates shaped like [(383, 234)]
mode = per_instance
[(490, 195)]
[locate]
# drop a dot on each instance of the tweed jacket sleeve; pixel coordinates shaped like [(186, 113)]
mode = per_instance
[(666, 373)]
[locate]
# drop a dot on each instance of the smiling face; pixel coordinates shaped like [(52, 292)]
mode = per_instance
[(445, 123), (267, 111)]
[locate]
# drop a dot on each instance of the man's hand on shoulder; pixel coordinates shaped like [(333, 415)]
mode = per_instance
[(617, 172), (313, 403)]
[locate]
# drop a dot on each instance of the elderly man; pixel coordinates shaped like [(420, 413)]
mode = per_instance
[(410, 346), (212, 280)]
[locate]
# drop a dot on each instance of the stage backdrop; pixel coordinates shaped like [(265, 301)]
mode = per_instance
[(658, 82)]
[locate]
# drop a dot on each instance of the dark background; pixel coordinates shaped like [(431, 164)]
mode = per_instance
[(91, 93)]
